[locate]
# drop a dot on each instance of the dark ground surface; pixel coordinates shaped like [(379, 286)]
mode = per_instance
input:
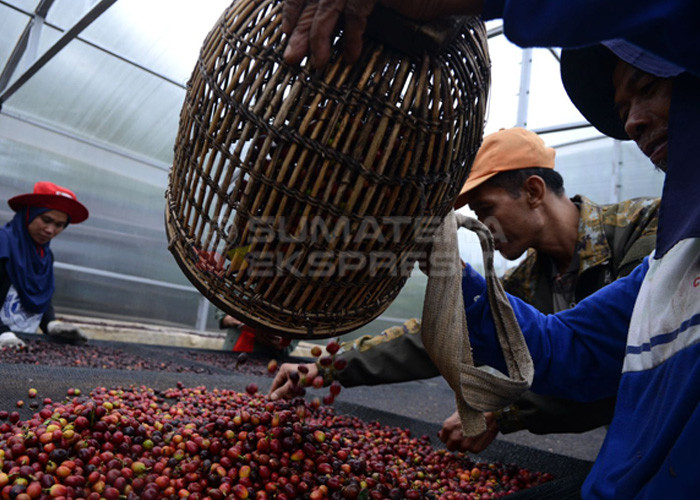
[(419, 405)]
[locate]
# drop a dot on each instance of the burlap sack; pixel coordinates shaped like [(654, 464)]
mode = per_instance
[(445, 334)]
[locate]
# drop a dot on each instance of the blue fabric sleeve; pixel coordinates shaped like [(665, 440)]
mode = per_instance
[(667, 28), (577, 353)]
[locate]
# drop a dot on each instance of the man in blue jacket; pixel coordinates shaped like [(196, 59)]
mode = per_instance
[(639, 337)]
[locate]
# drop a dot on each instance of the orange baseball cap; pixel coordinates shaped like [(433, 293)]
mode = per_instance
[(507, 149)]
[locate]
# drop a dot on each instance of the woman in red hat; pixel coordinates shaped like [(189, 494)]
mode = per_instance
[(26, 263)]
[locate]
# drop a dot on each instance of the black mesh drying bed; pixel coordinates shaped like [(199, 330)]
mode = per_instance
[(55, 381)]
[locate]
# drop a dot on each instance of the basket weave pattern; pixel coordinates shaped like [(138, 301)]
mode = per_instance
[(300, 200)]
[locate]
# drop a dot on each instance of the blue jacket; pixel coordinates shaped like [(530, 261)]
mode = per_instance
[(638, 337), (667, 28)]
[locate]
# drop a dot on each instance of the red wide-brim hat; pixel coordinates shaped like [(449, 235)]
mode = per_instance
[(54, 197)]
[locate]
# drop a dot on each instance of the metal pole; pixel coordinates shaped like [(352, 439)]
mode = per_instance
[(202, 314), (30, 33), (616, 180), (562, 128), (524, 95)]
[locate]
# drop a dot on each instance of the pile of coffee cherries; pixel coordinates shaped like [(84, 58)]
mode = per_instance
[(39, 352), (139, 443)]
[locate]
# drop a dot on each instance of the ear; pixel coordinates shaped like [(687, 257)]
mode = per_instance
[(535, 189)]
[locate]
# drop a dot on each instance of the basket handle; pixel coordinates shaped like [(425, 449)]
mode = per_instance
[(412, 37)]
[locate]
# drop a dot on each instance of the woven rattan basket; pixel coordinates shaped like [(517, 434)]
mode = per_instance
[(300, 200)]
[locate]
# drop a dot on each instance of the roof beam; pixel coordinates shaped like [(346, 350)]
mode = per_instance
[(67, 37), (495, 31), (34, 24)]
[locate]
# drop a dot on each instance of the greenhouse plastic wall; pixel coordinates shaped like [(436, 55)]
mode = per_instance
[(124, 236)]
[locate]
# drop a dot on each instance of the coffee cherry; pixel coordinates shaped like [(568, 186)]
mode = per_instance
[(332, 347), (130, 443), (335, 388)]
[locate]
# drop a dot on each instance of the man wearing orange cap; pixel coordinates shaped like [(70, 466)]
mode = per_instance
[(574, 247), (26, 263)]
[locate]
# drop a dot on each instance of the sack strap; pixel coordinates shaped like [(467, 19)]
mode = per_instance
[(446, 338)]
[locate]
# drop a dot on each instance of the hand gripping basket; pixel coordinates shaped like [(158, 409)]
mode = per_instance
[(300, 200)]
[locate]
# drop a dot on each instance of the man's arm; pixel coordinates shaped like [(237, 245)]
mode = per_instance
[(576, 23), (577, 353), (528, 23), (395, 355), (387, 358)]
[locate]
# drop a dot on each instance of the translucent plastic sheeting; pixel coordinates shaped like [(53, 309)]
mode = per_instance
[(162, 35), (124, 234), (94, 95), (549, 105), (12, 24), (107, 94)]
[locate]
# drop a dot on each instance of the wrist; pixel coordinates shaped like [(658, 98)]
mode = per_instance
[(326, 372), (508, 419)]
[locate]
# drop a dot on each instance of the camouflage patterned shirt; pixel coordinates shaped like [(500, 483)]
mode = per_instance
[(612, 240)]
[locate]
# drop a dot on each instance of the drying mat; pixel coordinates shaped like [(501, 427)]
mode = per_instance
[(54, 382), (174, 359)]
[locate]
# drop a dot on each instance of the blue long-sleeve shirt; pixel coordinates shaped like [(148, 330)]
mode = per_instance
[(565, 347), (639, 338)]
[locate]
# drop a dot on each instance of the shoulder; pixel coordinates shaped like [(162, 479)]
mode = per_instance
[(630, 211), (4, 241)]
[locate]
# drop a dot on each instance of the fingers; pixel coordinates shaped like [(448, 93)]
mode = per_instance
[(281, 391), (479, 443), (321, 34), (356, 14), (451, 432), (277, 384), (291, 11), (9, 339), (453, 438), (281, 384), (298, 43), (311, 26), (310, 23)]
